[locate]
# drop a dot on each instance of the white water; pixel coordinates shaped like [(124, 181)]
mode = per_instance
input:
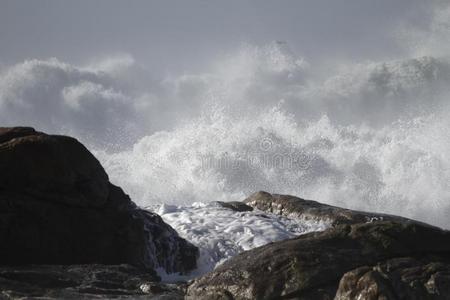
[(221, 233), (401, 168)]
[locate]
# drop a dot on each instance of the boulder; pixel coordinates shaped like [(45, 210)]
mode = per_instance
[(398, 278), (306, 210), (57, 206), (312, 265)]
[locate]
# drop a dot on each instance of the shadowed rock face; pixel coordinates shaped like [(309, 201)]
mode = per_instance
[(57, 206), (83, 282), (362, 256)]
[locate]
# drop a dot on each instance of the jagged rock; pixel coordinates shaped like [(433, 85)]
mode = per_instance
[(83, 282), (311, 266), (235, 205), (57, 206), (305, 210)]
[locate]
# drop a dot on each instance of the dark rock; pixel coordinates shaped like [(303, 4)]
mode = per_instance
[(57, 206), (9, 133), (83, 282), (311, 266), (398, 278), (305, 210), (235, 205)]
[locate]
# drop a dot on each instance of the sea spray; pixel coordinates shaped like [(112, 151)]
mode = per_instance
[(401, 168)]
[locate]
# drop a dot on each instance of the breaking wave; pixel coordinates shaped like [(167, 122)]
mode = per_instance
[(402, 168)]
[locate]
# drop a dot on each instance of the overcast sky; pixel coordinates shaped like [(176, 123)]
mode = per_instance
[(177, 35)]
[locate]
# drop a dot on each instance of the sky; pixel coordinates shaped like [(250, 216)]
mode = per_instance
[(174, 36)]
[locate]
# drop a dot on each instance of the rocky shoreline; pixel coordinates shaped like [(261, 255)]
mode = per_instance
[(67, 232)]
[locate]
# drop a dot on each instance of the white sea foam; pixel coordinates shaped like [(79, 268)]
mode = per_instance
[(221, 233)]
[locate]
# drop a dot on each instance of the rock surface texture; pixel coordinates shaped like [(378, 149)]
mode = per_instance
[(362, 256), (297, 208), (398, 278), (83, 282), (235, 206), (57, 206)]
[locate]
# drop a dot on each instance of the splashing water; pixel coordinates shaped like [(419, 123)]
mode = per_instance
[(402, 168)]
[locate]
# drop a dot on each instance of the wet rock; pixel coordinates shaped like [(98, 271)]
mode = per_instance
[(83, 282), (305, 210), (312, 265), (57, 206), (398, 278), (235, 205)]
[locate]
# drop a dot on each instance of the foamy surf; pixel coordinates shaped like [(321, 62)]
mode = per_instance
[(221, 233)]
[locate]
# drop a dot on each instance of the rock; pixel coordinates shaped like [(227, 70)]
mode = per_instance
[(311, 266), (235, 205), (57, 206), (83, 282), (398, 278), (305, 210)]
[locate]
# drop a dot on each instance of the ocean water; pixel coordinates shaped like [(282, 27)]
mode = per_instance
[(221, 233), (402, 168), (371, 137)]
